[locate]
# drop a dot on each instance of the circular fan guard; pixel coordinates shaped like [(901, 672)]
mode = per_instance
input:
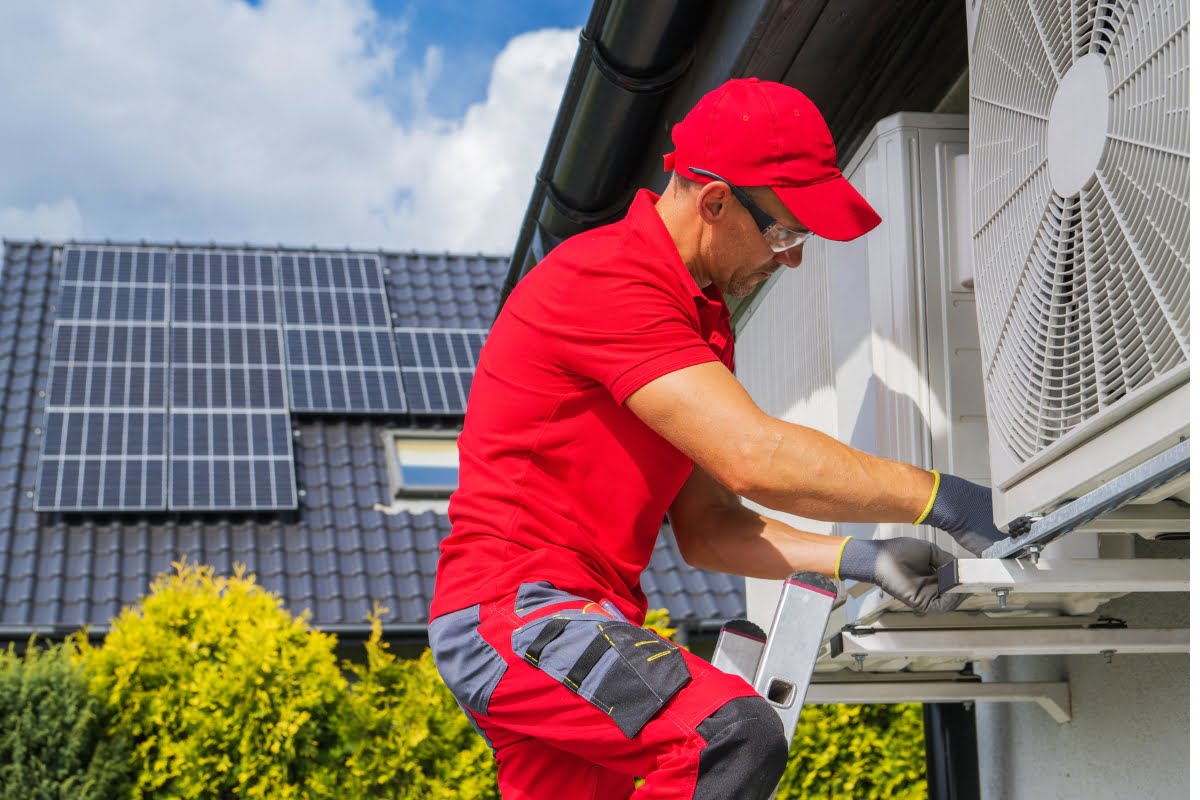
[(1083, 298)]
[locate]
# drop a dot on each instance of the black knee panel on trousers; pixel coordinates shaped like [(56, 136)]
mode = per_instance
[(746, 751)]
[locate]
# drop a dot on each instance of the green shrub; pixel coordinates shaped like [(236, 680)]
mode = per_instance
[(845, 751), (224, 692), (406, 735), (53, 739), (659, 621)]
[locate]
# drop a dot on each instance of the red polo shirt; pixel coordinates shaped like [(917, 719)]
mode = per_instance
[(558, 480)]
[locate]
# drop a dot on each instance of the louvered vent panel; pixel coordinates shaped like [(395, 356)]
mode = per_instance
[(1083, 290), (783, 353)]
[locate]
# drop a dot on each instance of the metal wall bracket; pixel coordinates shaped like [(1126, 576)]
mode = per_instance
[(1117, 576), (975, 645), (1131, 485), (1055, 698), (1150, 520)]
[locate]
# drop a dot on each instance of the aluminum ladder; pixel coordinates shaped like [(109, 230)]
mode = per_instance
[(779, 665)]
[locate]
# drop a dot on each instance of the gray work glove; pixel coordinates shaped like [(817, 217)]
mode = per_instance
[(964, 510), (904, 568)]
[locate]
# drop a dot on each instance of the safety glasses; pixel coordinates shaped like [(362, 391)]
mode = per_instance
[(778, 237)]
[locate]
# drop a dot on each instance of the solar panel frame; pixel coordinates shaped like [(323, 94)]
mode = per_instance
[(437, 366), (103, 432), (341, 355), (228, 373)]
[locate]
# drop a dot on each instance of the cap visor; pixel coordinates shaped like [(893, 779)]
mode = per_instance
[(832, 209)]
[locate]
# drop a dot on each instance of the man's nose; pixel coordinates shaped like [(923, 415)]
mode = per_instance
[(791, 257)]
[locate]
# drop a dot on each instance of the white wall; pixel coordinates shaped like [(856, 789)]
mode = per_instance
[(784, 360), (1128, 735)]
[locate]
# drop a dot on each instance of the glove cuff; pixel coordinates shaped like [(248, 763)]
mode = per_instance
[(857, 560), (955, 504), (937, 483)]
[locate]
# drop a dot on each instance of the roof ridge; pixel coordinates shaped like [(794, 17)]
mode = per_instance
[(278, 247)]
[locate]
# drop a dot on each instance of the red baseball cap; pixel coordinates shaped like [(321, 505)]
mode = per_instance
[(761, 133)]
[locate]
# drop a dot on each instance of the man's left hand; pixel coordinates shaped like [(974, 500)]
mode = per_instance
[(904, 567)]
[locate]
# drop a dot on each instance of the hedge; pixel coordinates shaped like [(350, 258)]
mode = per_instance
[(407, 737), (54, 739), (225, 693), (208, 687), (853, 751)]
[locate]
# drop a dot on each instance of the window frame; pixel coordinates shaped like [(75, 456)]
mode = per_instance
[(392, 440)]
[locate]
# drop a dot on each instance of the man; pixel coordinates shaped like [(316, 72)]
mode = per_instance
[(605, 398)]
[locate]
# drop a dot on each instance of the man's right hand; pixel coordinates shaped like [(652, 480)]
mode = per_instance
[(903, 567), (964, 510)]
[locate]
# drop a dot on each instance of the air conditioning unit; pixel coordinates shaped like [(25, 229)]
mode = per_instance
[(875, 341), (1079, 162)]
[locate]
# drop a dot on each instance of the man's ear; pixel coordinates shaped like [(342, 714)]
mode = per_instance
[(712, 201)]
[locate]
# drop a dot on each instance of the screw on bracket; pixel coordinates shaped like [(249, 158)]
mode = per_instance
[(859, 658), (1035, 553), (1108, 655), (1002, 596)]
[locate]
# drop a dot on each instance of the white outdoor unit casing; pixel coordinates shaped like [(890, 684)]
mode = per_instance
[(1079, 162), (875, 341)]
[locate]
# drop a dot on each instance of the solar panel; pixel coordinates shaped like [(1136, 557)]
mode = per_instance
[(230, 431), (104, 431), (341, 356), (231, 460), (436, 367)]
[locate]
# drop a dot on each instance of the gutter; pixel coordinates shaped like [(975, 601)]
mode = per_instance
[(631, 54)]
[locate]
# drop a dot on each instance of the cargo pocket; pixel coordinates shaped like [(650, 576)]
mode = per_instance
[(470, 667), (627, 672)]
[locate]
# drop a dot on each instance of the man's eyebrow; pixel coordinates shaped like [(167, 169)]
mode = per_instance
[(792, 223)]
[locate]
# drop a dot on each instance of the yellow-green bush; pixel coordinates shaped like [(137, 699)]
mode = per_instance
[(54, 741), (870, 751), (659, 621), (224, 692), (406, 736)]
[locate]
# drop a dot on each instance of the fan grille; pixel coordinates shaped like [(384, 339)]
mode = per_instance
[(1083, 299)]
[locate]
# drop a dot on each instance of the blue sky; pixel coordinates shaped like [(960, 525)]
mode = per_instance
[(472, 33), (405, 125)]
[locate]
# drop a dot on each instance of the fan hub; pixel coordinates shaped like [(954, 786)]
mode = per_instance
[(1078, 125)]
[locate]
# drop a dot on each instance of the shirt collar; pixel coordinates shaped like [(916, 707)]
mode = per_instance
[(646, 221), (710, 305)]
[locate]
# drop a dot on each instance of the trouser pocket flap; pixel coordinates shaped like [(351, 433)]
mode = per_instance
[(649, 672), (626, 671)]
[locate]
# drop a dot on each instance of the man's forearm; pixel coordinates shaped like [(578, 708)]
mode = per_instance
[(802, 471), (742, 542)]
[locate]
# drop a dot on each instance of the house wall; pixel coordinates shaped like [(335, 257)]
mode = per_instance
[(1128, 735), (873, 341)]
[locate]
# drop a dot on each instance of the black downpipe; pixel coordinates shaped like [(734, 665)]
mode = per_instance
[(951, 751), (631, 53)]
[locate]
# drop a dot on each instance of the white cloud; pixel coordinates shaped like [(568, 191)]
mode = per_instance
[(213, 120), (60, 220)]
